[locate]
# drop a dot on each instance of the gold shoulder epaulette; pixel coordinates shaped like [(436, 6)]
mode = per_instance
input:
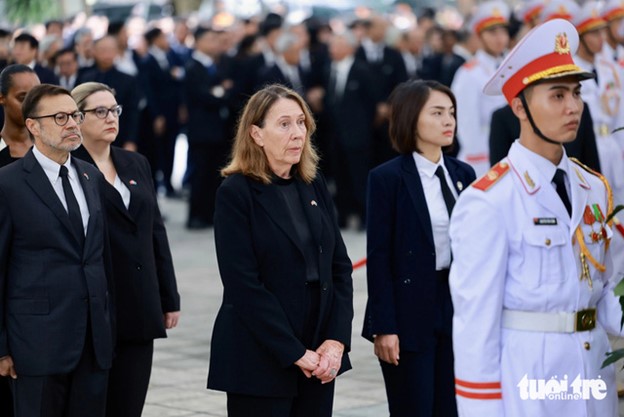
[(493, 175)]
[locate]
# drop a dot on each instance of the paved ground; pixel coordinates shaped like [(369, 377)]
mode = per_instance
[(181, 362)]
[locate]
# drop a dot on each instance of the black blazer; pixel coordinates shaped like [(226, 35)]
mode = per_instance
[(257, 333), (351, 115), (505, 129), (401, 257), (204, 108), (127, 93), (46, 75), (389, 72), (50, 285), (145, 282)]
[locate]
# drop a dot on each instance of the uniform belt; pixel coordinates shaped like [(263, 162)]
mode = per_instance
[(536, 321)]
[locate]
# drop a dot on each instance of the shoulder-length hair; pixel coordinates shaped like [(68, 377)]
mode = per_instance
[(406, 103), (248, 158), (82, 92)]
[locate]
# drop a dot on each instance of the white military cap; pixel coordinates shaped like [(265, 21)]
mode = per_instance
[(488, 15), (559, 9), (613, 10), (544, 53), (530, 11), (589, 18)]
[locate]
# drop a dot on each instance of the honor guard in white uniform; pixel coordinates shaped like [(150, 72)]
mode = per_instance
[(613, 49), (530, 278), (603, 95), (473, 121)]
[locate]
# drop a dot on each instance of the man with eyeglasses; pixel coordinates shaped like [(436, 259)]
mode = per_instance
[(55, 323)]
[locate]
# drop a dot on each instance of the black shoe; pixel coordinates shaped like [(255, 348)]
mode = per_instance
[(197, 224)]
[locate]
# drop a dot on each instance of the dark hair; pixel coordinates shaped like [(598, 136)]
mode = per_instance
[(67, 50), (6, 76), (151, 35), (406, 104), (115, 27), (38, 92), (53, 22), (4, 33), (27, 37), (201, 30), (271, 22)]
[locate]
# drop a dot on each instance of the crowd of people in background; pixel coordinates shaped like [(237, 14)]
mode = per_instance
[(179, 76)]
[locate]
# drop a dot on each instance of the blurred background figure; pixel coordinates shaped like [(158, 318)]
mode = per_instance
[(66, 63), (161, 74), (442, 66), (84, 46), (473, 121), (25, 52), (105, 51)]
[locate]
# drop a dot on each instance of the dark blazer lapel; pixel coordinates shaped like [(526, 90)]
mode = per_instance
[(38, 181), (458, 182), (90, 189), (417, 194), (270, 199), (128, 173), (109, 191), (309, 201)]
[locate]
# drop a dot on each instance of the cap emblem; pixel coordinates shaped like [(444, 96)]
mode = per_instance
[(561, 44)]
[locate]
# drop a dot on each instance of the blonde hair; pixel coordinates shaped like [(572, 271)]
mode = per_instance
[(82, 92), (248, 158)]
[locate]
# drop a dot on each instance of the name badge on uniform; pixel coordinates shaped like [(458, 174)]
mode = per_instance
[(545, 221)]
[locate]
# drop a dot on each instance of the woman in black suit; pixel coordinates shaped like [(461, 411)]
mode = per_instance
[(410, 198), (146, 295), (284, 327)]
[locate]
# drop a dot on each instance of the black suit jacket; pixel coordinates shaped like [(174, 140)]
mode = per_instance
[(46, 75), (127, 94), (257, 333), (351, 114), (145, 282), (401, 259), (50, 285), (505, 129), (389, 72), (441, 67), (205, 109), (274, 75)]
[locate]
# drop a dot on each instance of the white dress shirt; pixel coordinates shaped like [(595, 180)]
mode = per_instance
[(52, 170), (122, 190), (437, 208), (341, 71)]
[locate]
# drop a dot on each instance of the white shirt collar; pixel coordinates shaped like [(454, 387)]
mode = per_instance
[(204, 59), (425, 166), (51, 168), (542, 165)]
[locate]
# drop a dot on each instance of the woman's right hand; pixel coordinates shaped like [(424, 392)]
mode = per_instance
[(308, 362), (387, 348)]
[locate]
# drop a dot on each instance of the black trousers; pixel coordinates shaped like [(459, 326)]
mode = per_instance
[(129, 379), (6, 398), (423, 384), (79, 393), (207, 160), (313, 398)]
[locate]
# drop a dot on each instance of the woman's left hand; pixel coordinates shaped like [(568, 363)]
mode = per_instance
[(330, 352), (171, 319)]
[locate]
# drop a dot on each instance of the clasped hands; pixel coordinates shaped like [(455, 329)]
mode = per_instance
[(324, 363)]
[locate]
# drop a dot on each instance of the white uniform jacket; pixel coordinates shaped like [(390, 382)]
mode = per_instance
[(514, 248), (475, 110)]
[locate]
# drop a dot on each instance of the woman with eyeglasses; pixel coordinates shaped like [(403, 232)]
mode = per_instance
[(146, 297)]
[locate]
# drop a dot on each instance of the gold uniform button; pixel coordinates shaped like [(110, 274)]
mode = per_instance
[(547, 242), (586, 345)]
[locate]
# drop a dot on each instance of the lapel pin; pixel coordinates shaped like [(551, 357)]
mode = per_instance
[(132, 182), (528, 179), (460, 186), (313, 203), (84, 174)]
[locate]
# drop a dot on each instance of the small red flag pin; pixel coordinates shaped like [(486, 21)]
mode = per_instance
[(84, 174), (132, 182), (313, 203)]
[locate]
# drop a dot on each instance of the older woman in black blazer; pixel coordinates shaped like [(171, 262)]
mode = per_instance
[(146, 295), (410, 198), (283, 330)]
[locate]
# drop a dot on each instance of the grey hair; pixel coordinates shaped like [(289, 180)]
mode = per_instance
[(81, 33), (285, 41), (47, 42)]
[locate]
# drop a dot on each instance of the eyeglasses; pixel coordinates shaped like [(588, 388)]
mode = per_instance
[(62, 118), (102, 112)]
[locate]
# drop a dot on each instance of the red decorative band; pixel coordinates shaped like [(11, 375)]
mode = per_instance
[(590, 24), (478, 385), (479, 396), (614, 14), (490, 22)]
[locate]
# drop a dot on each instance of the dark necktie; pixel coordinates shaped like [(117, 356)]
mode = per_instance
[(73, 209), (449, 199), (595, 74), (559, 180)]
